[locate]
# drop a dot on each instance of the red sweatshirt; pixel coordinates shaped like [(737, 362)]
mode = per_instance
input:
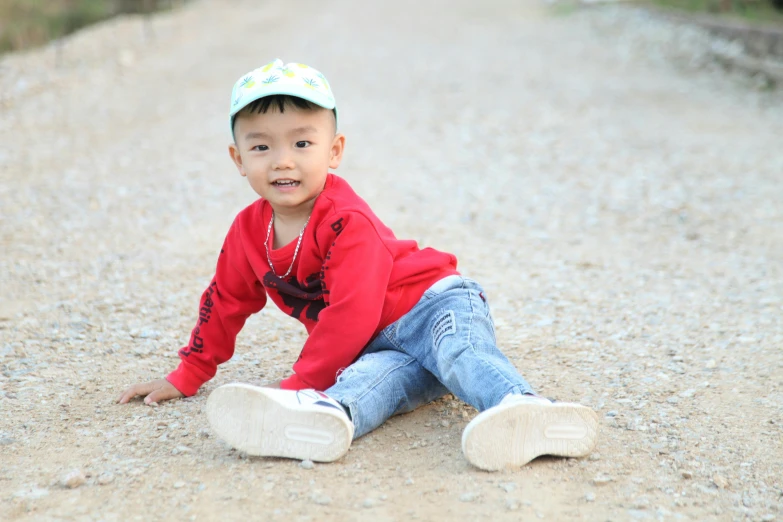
[(350, 280)]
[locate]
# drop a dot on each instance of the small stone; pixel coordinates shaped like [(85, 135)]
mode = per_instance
[(641, 503), (769, 517), (720, 481), (673, 400), (126, 58), (595, 456), (468, 497), (445, 423), (409, 482), (508, 487), (74, 479), (687, 475), (611, 413), (710, 364), (32, 493), (306, 464), (369, 503), (321, 499), (590, 496), (512, 505), (6, 441), (602, 480), (687, 394), (179, 484), (105, 478)]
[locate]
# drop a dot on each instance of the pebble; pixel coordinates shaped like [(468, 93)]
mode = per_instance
[(688, 393), (6, 441), (409, 482), (105, 478), (686, 475), (179, 484), (602, 480), (468, 497), (590, 496), (720, 481), (369, 503), (512, 505), (508, 487), (306, 464), (321, 499), (445, 423), (73, 479)]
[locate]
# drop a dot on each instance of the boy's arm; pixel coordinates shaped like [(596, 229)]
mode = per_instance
[(356, 276), (232, 296)]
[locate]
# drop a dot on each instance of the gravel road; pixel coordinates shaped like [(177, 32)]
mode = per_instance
[(620, 200)]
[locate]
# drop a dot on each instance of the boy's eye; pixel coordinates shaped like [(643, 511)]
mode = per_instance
[(302, 144), (260, 147)]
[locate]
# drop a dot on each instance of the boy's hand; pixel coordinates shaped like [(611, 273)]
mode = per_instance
[(155, 391)]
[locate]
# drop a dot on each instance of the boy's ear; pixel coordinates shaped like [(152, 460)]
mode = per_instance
[(336, 155), (233, 151)]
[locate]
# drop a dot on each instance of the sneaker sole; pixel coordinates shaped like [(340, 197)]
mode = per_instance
[(512, 435), (253, 420)]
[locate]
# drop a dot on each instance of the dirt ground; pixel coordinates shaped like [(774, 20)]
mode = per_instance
[(624, 213)]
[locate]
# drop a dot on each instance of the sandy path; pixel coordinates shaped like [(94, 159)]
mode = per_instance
[(624, 216)]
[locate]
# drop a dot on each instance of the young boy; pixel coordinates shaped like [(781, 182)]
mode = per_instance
[(391, 326)]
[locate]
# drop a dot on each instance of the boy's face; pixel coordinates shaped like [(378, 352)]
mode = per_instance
[(286, 156)]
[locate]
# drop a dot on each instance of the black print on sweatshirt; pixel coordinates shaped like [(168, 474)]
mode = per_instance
[(308, 298), (204, 315)]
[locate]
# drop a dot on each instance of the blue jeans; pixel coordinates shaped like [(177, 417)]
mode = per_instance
[(446, 343)]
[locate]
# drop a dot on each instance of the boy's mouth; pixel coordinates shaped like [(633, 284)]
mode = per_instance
[(285, 183)]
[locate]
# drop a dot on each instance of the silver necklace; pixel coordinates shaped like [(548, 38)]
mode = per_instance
[(296, 251)]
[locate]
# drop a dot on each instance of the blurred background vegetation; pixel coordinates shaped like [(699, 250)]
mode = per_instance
[(752, 10), (29, 23)]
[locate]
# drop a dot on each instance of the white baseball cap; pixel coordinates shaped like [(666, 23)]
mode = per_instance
[(292, 79)]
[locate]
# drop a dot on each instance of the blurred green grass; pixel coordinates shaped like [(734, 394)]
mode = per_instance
[(30, 23), (761, 11), (770, 11)]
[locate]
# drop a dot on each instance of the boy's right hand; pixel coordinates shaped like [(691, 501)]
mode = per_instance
[(154, 391)]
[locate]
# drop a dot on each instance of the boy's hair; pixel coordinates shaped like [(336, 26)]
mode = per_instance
[(280, 101)]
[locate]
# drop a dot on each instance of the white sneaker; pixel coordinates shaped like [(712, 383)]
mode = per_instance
[(269, 422), (523, 427)]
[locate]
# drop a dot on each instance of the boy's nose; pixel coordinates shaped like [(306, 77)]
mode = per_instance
[(283, 161)]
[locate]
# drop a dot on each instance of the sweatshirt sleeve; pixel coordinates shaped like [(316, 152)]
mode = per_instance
[(232, 296), (355, 277)]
